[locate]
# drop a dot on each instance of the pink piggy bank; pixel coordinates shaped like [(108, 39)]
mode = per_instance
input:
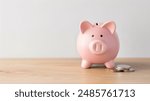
[(98, 44)]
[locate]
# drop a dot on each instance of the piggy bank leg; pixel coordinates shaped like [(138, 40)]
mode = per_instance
[(110, 64), (85, 64)]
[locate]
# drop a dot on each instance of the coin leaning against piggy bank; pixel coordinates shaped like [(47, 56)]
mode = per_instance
[(123, 68)]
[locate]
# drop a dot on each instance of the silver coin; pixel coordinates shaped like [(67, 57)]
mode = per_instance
[(123, 66), (131, 70)]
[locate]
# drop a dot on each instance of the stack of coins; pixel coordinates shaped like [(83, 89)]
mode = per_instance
[(123, 68)]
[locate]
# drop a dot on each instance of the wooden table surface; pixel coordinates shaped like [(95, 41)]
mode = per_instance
[(68, 71)]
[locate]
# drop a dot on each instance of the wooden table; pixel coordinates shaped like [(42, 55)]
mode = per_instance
[(69, 71)]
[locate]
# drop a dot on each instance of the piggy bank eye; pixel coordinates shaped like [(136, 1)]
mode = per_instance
[(101, 35), (92, 35)]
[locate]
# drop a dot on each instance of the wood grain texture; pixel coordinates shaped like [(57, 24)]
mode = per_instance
[(68, 71)]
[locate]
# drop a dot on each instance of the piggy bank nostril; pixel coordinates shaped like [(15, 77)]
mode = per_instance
[(92, 35), (97, 47), (101, 35)]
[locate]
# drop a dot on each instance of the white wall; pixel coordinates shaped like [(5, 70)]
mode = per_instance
[(48, 28)]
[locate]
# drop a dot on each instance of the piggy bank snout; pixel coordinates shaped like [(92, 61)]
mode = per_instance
[(97, 47)]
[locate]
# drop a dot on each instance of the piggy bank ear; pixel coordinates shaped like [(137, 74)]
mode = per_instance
[(85, 25), (111, 26)]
